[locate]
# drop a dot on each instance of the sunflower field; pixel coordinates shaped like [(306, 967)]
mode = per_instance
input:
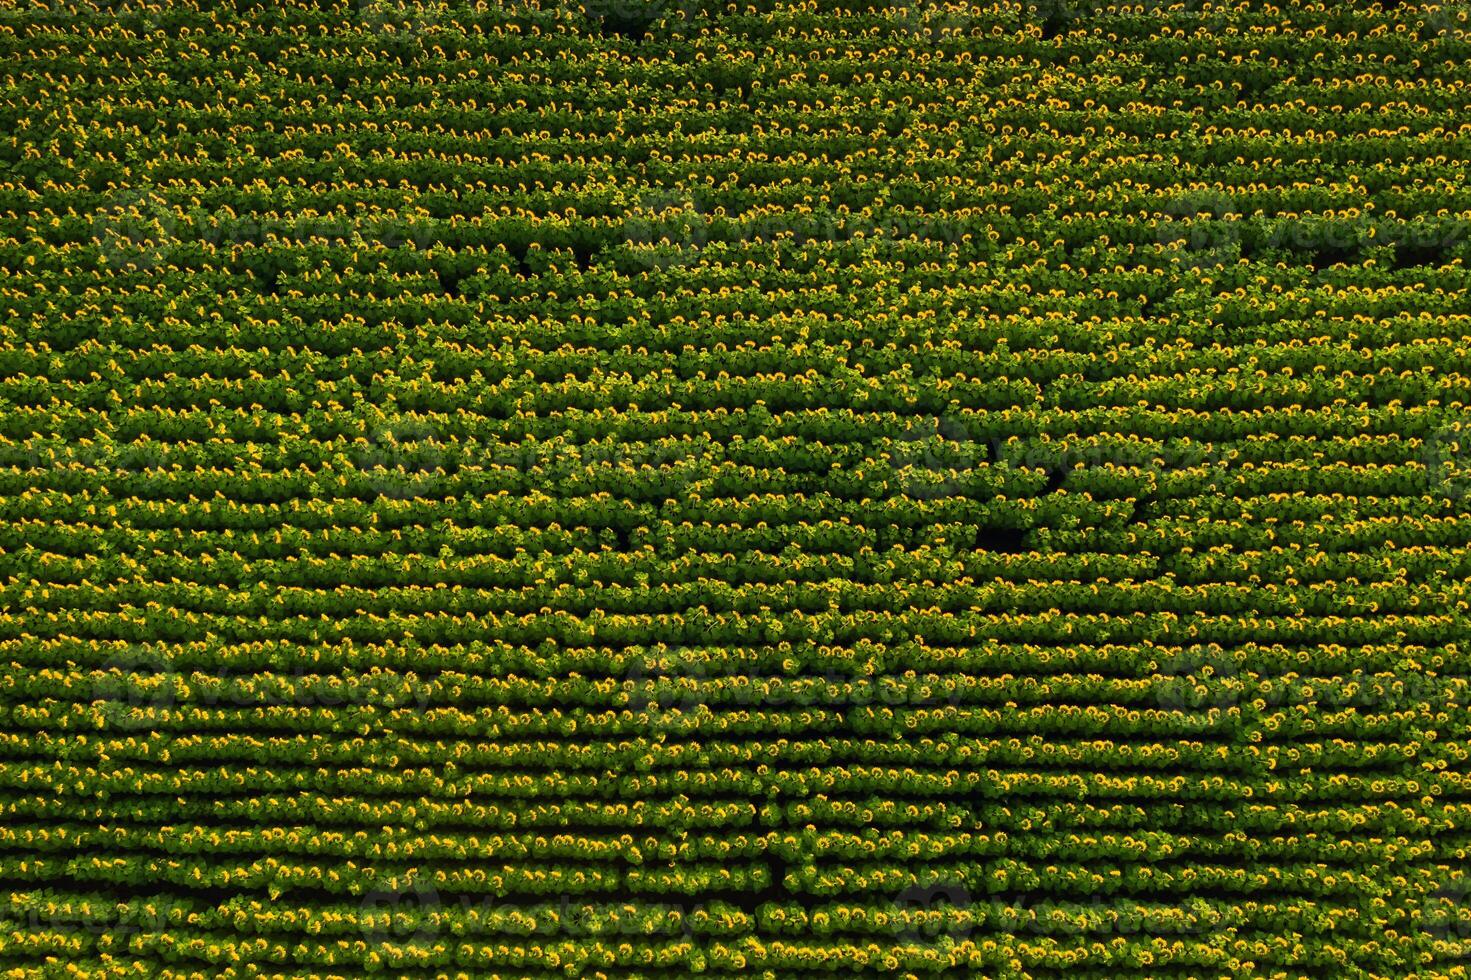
[(638, 489)]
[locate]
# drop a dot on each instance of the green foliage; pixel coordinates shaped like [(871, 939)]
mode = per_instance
[(646, 488)]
